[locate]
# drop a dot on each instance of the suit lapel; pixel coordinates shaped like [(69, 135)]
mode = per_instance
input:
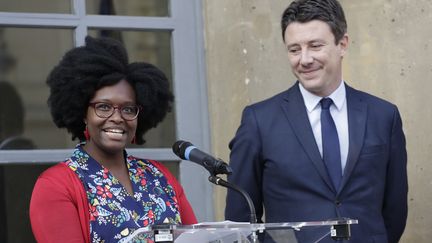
[(357, 116), (296, 113)]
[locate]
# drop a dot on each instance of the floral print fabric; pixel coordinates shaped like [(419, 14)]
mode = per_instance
[(114, 213)]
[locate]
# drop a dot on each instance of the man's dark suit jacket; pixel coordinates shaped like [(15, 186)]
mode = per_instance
[(276, 160)]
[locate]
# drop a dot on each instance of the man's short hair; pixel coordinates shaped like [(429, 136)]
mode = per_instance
[(328, 11)]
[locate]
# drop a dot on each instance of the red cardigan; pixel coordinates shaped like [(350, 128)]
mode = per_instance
[(59, 208)]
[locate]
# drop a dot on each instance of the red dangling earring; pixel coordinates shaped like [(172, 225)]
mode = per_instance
[(86, 134), (133, 140)]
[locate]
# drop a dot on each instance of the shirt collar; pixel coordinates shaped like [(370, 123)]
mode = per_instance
[(312, 101)]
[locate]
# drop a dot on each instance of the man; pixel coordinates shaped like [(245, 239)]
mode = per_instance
[(301, 160)]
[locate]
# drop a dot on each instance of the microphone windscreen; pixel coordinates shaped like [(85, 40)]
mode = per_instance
[(180, 147)]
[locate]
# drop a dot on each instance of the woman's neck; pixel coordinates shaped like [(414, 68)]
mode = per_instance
[(110, 160), (114, 162)]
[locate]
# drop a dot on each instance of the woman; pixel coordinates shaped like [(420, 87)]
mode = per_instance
[(100, 193)]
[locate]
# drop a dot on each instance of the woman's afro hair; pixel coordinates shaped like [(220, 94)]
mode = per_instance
[(104, 62)]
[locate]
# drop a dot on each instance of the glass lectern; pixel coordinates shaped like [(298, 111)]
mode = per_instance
[(235, 232)]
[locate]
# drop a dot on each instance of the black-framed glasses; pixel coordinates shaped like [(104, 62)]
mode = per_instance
[(105, 110)]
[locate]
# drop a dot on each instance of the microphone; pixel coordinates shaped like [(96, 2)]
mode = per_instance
[(187, 151)]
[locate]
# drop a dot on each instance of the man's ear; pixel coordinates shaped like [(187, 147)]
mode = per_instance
[(343, 44)]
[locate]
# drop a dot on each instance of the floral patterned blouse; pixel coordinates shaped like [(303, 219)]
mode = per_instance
[(114, 213)]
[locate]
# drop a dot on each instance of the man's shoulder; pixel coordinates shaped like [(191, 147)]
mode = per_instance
[(368, 98), (277, 99)]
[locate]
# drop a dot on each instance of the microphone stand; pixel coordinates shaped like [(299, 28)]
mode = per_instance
[(221, 182)]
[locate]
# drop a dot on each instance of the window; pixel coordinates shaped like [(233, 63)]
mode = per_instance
[(35, 35)]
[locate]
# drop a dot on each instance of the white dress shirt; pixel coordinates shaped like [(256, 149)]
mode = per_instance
[(338, 111)]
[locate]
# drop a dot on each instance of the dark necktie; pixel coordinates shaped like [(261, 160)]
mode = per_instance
[(330, 143)]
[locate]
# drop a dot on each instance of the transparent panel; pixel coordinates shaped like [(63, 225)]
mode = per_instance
[(154, 48), (336, 230), (25, 61), (158, 8), (36, 6)]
